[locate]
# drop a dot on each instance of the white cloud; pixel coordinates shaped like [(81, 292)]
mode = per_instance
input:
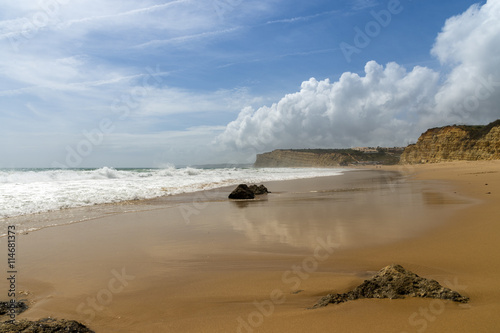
[(168, 100), (130, 12), (470, 45), (372, 109), (62, 22), (388, 105)]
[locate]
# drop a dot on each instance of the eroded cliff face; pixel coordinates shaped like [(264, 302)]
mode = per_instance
[(287, 158), (455, 143)]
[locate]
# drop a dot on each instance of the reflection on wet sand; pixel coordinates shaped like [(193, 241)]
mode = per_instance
[(352, 216)]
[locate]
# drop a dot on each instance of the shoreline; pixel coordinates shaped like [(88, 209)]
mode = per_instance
[(78, 214), (215, 272)]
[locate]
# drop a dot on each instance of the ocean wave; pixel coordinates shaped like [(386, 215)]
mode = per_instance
[(31, 191)]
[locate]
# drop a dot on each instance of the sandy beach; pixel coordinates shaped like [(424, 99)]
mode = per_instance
[(202, 263)]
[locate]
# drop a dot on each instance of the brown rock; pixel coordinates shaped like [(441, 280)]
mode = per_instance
[(258, 190), (18, 307), (242, 192), (46, 325), (394, 282)]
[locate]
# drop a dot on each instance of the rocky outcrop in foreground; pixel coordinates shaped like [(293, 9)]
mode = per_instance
[(19, 307), (455, 143), (394, 282), (47, 325), (244, 191)]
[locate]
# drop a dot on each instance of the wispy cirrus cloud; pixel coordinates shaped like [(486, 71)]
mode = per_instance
[(302, 18), (364, 4), (188, 38), (144, 10)]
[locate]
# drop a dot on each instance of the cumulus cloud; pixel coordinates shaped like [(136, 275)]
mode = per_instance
[(376, 108), (389, 105), (469, 44)]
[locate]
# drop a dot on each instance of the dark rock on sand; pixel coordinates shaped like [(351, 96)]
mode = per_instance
[(242, 192), (394, 282), (19, 306), (258, 190), (46, 325)]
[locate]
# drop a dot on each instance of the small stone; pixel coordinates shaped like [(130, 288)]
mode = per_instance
[(296, 292)]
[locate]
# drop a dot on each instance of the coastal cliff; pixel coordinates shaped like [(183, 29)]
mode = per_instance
[(454, 143), (289, 158), (324, 158)]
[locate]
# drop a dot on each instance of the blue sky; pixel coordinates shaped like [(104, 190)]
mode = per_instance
[(152, 83)]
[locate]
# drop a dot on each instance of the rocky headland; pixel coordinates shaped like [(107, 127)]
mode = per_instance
[(455, 143), (325, 158)]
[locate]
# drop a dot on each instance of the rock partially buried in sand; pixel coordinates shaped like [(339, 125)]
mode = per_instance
[(244, 191), (46, 325), (394, 282), (18, 307)]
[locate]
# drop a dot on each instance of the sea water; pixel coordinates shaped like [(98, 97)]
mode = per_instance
[(29, 191)]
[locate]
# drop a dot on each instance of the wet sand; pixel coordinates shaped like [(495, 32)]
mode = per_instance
[(201, 263)]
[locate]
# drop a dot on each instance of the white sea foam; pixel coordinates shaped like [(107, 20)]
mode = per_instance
[(40, 190)]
